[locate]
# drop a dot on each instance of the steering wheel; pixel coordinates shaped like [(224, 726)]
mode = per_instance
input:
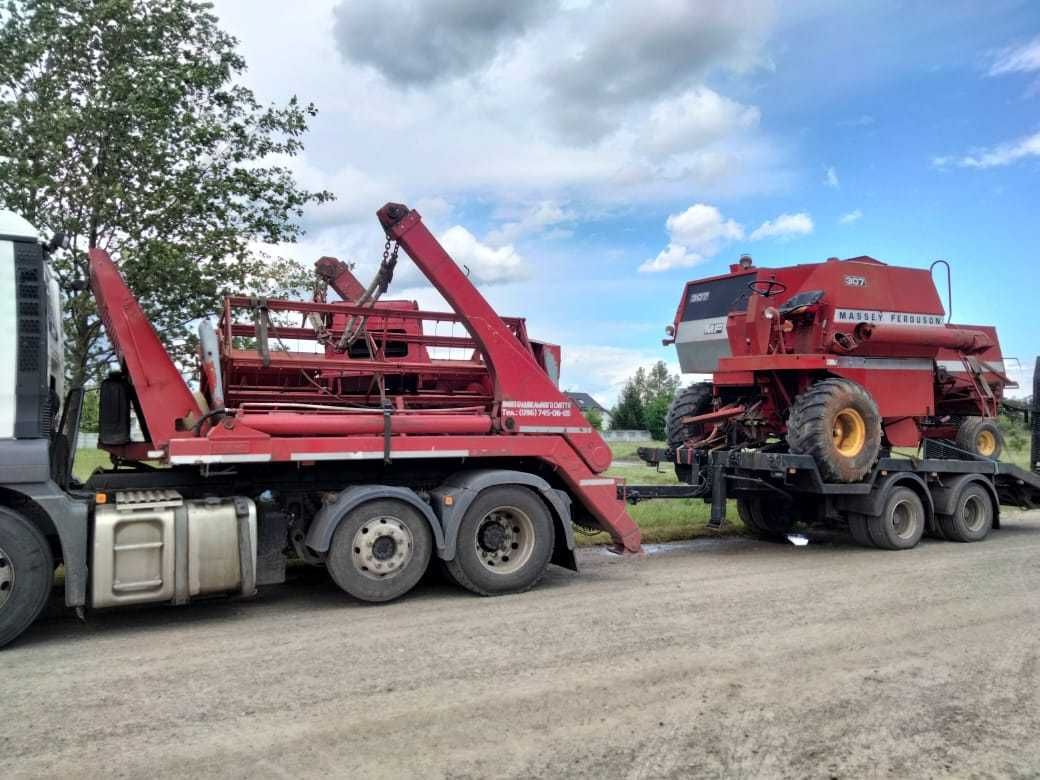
[(767, 288)]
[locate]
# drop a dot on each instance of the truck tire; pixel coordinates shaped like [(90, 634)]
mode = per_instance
[(765, 519), (504, 543), (380, 550), (901, 523), (837, 422), (691, 401), (859, 528), (972, 518), (26, 574), (980, 436)]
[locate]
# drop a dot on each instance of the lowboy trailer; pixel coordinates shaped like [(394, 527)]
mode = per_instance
[(370, 454)]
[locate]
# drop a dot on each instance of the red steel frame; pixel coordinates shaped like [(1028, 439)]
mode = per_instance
[(506, 407)]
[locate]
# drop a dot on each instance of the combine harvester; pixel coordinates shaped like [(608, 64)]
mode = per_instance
[(370, 454), (819, 372)]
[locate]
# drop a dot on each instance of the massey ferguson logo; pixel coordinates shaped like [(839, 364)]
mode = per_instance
[(855, 281), (856, 316), (700, 297)]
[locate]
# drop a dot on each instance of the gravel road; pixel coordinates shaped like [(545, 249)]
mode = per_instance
[(714, 657)]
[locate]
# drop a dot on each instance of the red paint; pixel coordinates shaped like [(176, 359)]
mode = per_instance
[(494, 395)]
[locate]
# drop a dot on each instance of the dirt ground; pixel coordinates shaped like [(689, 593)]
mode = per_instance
[(716, 657)]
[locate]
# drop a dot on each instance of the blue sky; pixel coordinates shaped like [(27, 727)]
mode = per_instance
[(585, 159)]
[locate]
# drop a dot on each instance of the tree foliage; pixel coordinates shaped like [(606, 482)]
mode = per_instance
[(645, 400), (627, 414), (595, 418), (124, 124)]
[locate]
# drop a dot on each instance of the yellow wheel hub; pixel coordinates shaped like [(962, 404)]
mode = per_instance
[(986, 443), (849, 432)]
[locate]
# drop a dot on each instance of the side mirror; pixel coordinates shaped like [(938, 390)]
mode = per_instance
[(58, 241)]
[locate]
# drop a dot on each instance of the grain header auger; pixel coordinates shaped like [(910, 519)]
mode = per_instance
[(840, 360)]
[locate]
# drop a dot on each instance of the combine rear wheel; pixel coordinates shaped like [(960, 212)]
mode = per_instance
[(837, 422), (980, 436), (26, 574), (504, 543), (690, 402), (380, 550)]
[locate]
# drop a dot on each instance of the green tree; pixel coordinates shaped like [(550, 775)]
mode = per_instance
[(656, 383), (654, 415), (595, 419), (125, 125), (627, 414)]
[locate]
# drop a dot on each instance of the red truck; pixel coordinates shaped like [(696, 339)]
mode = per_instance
[(355, 435)]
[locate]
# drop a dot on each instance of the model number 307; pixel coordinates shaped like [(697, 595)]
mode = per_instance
[(855, 281)]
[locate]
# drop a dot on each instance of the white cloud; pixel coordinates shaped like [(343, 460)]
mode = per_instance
[(853, 216), (535, 219), (695, 119), (830, 177), (695, 235), (1017, 59), (785, 226), (487, 265), (996, 156)]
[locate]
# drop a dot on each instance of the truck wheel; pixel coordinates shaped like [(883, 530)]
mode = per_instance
[(858, 527), (972, 518), (980, 436), (380, 550), (691, 401), (837, 422), (26, 574), (901, 523), (504, 543), (765, 519)]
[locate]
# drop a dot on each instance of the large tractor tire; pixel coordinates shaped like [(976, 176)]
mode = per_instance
[(26, 574), (691, 401), (980, 436), (837, 422)]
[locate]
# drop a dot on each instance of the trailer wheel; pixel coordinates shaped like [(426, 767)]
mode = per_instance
[(981, 436), (972, 519), (901, 523), (858, 527), (26, 574), (837, 422), (691, 401), (765, 519), (380, 550), (504, 543)]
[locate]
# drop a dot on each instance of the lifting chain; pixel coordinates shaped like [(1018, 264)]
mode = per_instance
[(355, 325)]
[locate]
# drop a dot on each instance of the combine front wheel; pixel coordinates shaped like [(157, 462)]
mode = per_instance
[(690, 402), (837, 422)]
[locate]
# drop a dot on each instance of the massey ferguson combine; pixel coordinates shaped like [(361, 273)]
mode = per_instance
[(818, 372), (363, 435)]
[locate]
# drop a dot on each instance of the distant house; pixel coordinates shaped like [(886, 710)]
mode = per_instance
[(586, 403)]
